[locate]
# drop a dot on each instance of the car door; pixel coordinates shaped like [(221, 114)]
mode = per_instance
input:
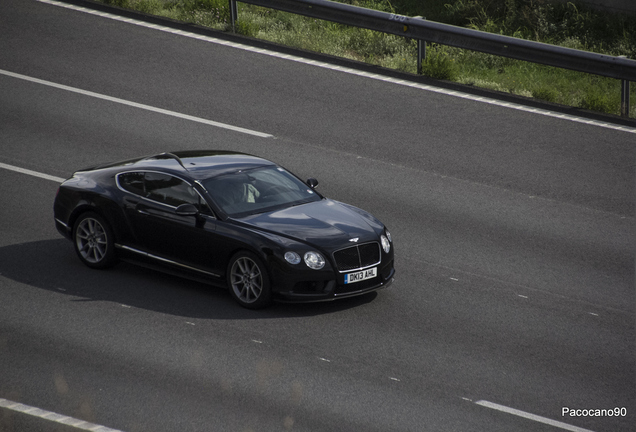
[(159, 230)]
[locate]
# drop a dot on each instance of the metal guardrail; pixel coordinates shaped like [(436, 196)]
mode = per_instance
[(428, 31)]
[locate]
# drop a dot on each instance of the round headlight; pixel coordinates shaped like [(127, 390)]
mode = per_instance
[(292, 257), (388, 235), (386, 244), (314, 260)]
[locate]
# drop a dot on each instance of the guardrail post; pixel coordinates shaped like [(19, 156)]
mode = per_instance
[(625, 98), (624, 95), (421, 50), (421, 55), (233, 14)]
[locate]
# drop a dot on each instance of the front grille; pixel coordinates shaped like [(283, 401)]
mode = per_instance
[(358, 256)]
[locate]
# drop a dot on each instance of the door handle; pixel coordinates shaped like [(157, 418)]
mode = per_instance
[(141, 209)]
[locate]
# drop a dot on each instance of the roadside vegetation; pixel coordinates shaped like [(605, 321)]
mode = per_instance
[(569, 24)]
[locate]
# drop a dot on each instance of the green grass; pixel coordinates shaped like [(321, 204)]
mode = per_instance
[(566, 24)]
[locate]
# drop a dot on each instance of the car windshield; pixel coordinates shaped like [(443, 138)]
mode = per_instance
[(258, 190)]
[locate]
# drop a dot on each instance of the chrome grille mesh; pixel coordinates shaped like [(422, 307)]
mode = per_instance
[(358, 256)]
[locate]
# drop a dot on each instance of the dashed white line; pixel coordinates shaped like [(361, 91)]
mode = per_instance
[(137, 105), (31, 173), (529, 416), (54, 417), (350, 71)]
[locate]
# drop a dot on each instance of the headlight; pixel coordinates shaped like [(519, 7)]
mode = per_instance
[(388, 235), (292, 257), (386, 244), (314, 260)]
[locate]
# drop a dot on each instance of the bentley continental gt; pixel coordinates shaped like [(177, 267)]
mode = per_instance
[(234, 219)]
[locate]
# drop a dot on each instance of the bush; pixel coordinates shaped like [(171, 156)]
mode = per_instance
[(547, 94), (438, 64), (375, 44), (596, 100), (208, 13), (203, 5), (119, 3), (149, 6), (246, 27)]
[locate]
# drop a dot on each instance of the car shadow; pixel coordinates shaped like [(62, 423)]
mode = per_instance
[(52, 265)]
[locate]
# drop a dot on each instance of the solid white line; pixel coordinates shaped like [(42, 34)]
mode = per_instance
[(51, 416), (529, 416), (32, 173), (351, 71), (136, 105)]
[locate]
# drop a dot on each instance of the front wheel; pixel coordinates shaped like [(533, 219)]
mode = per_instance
[(248, 281), (94, 241)]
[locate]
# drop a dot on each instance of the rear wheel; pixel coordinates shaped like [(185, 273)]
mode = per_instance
[(248, 281), (94, 241)]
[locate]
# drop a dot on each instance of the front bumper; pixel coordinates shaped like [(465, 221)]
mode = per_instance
[(321, 290)]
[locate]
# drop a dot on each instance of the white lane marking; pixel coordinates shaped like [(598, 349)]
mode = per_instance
[(32, 173), (137, 105), (351, 71), (529, 416), (54, 417)]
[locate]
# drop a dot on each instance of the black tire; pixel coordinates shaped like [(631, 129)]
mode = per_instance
[(94, 241), (248, 281)]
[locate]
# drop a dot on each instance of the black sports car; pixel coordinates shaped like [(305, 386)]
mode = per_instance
[(235, 219)]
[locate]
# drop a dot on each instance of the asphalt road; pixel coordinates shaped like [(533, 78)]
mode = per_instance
[(513, 230)]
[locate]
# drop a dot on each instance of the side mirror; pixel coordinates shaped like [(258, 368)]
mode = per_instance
[(312, 183), (187, 210)]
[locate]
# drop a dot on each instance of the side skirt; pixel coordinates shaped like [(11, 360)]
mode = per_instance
[(167, 261)]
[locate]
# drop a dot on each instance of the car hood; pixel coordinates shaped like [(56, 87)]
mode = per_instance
[(326, 223)]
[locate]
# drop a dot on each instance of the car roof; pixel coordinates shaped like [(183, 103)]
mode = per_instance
[(196, 164)]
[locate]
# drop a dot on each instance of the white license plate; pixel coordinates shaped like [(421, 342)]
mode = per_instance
[(361, 275)]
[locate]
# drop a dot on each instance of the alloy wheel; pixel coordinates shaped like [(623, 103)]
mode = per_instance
[(91, 240), (246, 279)]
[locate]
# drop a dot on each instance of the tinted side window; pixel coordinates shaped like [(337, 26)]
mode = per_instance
[(132, 182), (169, 190), (163, 188)]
